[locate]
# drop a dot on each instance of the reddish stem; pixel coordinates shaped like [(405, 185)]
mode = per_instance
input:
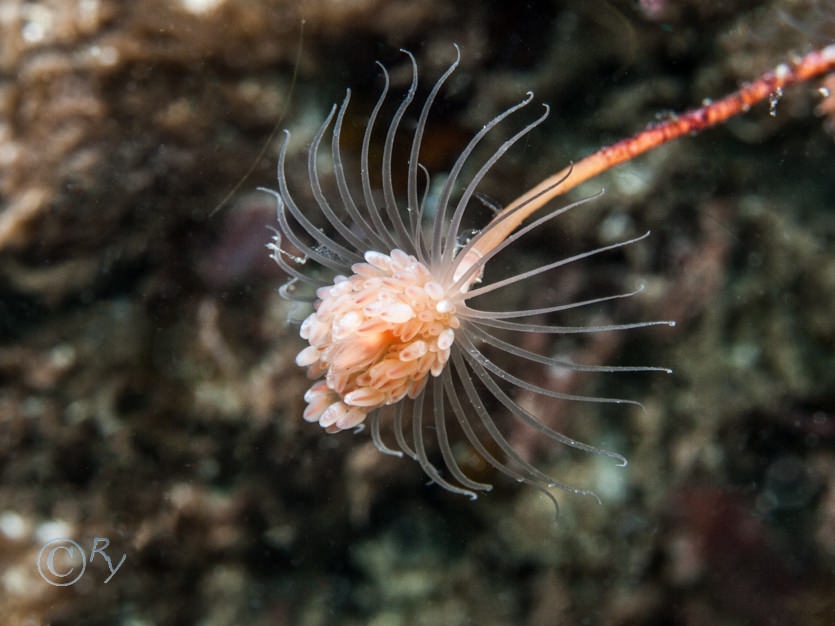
[(784, 75)]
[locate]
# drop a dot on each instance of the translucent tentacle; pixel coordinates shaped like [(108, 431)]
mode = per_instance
[(555, 362), (417, 138), (374, 427), (365, 171), (539, 477), (398, 432), (550, 266), (476, 355), (306, 250), (443, 441), (455, 223), (477, 314), (322, 239), (401, 235), (428, 468), (369, 233)]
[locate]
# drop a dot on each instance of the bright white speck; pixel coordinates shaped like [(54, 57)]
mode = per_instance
[(52, 530), (106, 55), (200, 6), (12, 525), (745, 355), (88, 10), (634, 179), (782, 71), (38, 22), (32, 32), (444, 306), (614, 227)]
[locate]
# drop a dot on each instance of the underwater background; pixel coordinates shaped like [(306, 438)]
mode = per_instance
[(149, 401)]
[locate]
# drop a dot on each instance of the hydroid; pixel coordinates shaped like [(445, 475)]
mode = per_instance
[(393, 326)]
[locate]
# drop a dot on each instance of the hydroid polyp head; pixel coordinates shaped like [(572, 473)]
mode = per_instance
[(394, 325), (375, 338)]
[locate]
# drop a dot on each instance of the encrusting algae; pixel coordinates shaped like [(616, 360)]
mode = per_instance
[(394, 325)]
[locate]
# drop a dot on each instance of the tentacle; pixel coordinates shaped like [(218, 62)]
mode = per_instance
[(398, 432), (306, 250), (550, 266), (455, 223), (374, 427), (471, 436), (314, 232), (555, 362), (480, 364), (276, 252), (475, 244), (373, 239), (417, 138), (477, 314), (401, 235), (365, 172), (443, 441), (426, 465), (319, 196), (568, 330), (417, 235), (539, 477)]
